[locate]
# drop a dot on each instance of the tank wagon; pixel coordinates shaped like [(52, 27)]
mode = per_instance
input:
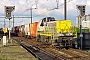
[(50, 31)]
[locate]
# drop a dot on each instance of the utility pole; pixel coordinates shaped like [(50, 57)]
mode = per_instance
[(65, 8), (36, 1), (4, 23), (81, 8), (13, 23), (31, 14), (4, 26), (9, 30), (81, 31)]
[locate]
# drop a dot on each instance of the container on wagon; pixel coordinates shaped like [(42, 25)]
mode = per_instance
[(26, 29), (21, 31), (16, 30), (33, 29)]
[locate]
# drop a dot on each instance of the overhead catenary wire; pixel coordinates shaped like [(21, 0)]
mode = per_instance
[(26, 10), (51, 9), (36, 1), (24, 4), (30, 6), (33, 4), (22, 7), (57, 1), (46, 11)]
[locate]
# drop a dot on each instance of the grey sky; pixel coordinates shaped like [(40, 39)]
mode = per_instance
[(42, 11)]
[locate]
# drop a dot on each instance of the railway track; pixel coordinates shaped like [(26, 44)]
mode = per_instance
[(57, 54), (33, 49)]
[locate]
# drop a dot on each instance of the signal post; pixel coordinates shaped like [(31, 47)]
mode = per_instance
[(8, 11), (81, 9)]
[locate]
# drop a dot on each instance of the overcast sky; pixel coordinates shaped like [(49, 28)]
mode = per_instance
[(43, 10)]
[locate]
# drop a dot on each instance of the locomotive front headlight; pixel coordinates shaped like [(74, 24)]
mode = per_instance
[(69, 34)]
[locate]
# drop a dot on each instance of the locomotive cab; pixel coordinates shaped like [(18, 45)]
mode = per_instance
[(42, 25), (43, 22)]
